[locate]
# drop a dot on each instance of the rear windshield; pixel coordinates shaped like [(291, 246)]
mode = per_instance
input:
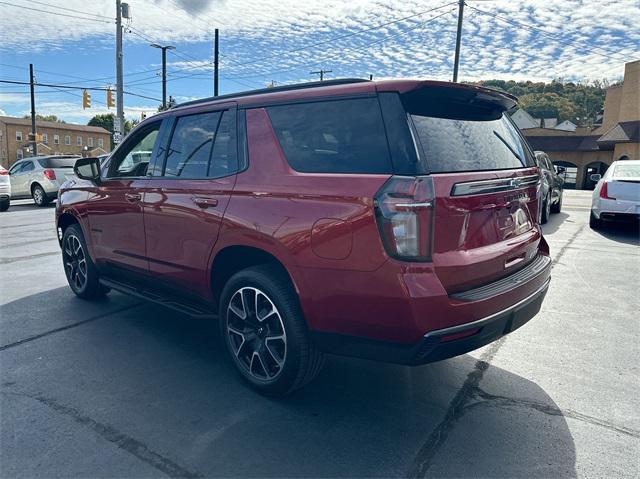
[(627, 171), (338, 136), (62, 162), (451, 145)]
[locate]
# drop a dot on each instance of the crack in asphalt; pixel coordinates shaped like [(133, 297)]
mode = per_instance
[(460, 402), (125, 442), (504, 401), (68, 326)]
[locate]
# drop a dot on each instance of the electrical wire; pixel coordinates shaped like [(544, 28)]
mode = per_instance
[(55, 13)]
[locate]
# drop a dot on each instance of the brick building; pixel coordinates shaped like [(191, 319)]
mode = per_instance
[(586, 151), (53, 138)]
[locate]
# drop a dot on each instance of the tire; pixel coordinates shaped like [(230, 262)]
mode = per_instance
[(83, 281), (594, 223), (4, 204), (546, 209), (291, 360), (557, 207), (39, 196)]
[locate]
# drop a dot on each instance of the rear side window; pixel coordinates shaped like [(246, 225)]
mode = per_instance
[(58, 162), (452, 145), (338, 136)]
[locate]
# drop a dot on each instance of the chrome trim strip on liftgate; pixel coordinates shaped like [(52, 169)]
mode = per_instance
[(493, 186)]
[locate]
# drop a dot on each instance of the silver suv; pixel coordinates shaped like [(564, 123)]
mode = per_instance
[(40, 177)]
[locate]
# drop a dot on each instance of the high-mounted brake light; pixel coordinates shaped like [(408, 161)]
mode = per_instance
[(404, 212), (50, 174), (604, 192)]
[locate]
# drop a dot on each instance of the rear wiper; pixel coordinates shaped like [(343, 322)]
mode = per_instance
[(509, 146)]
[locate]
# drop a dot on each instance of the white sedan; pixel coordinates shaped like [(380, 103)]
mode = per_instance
[(617, 194)]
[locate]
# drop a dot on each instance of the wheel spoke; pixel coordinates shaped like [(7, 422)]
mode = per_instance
[(258, 363), (273, 352)]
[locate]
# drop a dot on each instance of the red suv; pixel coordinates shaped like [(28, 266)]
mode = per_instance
[(391, 220)]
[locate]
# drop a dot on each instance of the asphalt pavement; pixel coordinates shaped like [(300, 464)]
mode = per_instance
[(121, 388)]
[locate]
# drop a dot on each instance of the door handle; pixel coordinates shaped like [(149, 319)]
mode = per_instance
[(205, 202), (132, 197)]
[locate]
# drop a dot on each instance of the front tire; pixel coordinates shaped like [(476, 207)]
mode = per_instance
[(39, 196), (81, 273), (264, 331), (4, 204), (546, 209), (557, 207)]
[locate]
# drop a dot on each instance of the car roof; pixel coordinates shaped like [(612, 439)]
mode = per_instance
[(330, 88)]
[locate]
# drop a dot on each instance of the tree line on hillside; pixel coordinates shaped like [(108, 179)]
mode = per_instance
[(577, 102)]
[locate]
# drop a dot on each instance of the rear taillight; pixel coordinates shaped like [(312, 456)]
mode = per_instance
[(404, 211), (50, 174), (4, 172), (604, 192)]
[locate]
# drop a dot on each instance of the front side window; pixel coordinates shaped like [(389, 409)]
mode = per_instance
[(16, 168), (79, 140), (132, 159), (203, 146), (18, 136), (56, 139), (67, 139), (339, 136), (28, 166)]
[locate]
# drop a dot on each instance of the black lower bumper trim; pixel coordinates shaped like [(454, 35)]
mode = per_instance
[(436, 345)]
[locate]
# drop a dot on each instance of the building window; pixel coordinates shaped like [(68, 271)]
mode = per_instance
[(56, 139), (90, 142), (45, 138), (67, 139), (79, 141), (18, 136), (19, 154), (100, 143)]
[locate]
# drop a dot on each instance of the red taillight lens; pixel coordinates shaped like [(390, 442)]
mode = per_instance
[(604, 192), (404, 211), (4, 172), (50, 174)]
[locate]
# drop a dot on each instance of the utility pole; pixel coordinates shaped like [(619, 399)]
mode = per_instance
[(34, 142), (320, 72), (118, 126), (456, 61), (164, 71), (216, 54)]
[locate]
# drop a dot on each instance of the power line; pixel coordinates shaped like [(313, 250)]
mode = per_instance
[(54, 13), (73, 87), (69, 9)]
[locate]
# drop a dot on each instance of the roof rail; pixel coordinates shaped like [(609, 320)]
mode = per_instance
[(275, 89)]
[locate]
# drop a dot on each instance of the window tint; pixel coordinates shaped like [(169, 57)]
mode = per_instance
[(225, 149), (191, 143), (28, 166), (64, 162), (16, 168), (340, 136), (132, 160), (470, 145)]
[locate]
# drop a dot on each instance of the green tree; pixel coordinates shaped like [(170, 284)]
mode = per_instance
[(53, 118)]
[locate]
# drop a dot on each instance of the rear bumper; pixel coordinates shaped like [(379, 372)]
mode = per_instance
[(607, 209), (438, 344)]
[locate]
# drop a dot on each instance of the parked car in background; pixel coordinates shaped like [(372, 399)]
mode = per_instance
[(393, 220), (616, 196), (40, 177), (551, 188), (5, 189)]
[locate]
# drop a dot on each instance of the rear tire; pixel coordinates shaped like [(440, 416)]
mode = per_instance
[(265, 333), (546, 209), (555, 208), (82, 275), (4, 204), (39, 196), (594, 223)]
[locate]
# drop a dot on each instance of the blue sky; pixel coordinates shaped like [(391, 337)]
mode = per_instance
[(283, 41)]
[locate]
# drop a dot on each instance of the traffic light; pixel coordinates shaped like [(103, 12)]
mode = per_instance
[(110, 102), (86, 99)]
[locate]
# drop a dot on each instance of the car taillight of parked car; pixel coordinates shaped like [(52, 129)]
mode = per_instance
[(4, 172), (50, 174), (404, 211), (604, 192)]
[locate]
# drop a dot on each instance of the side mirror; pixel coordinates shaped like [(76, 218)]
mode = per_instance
[(595, 177), (88, 169), (560, 169)]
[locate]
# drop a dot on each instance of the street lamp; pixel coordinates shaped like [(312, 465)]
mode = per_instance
[(164, 70)]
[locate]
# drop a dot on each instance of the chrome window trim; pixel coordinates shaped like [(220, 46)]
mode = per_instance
[(492, 185)]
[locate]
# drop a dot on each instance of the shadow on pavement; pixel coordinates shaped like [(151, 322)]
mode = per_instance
[(159, 380), (554, 223), (627, 233)]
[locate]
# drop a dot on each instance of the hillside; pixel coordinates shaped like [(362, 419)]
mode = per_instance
[(578, 102)]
